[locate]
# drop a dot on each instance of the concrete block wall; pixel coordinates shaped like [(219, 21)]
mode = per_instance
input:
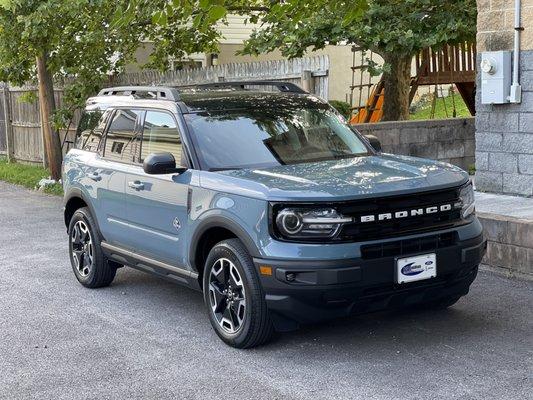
[(495, 23), (510, 244), (447, 140), (504, 133)]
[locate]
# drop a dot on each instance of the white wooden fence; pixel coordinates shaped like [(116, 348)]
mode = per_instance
[(20, 131), (312, 71)]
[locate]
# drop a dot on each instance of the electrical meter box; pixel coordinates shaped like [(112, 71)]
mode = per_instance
[(496, 76)]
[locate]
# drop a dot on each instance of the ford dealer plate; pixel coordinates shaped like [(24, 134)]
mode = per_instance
[(416, 268)]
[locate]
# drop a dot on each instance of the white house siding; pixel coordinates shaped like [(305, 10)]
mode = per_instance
[(236, 32)]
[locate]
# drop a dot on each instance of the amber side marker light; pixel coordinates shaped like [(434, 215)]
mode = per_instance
[(265, 270)]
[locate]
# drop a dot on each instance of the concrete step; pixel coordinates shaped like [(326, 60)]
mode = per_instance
[(508, 225)]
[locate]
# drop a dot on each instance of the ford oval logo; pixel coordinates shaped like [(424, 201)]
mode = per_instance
[(412, 269)]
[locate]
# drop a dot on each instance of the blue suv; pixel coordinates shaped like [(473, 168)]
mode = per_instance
[(268, 203)]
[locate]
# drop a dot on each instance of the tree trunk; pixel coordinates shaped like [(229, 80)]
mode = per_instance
[(52, 143), (397, 83)]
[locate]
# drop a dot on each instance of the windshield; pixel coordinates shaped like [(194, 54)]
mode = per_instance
[(259, 138)]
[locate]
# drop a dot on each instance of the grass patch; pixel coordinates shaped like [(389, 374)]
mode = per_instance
[(442, 105), (27, 176)]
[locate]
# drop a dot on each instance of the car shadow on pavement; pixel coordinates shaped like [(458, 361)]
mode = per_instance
[(404, 331), (394, 332)]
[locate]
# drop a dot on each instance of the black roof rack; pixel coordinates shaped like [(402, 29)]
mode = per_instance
[(173, 93), (287, 87), (154, 92)]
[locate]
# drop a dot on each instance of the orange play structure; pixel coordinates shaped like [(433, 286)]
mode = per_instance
[(449, 65), (372, 111)]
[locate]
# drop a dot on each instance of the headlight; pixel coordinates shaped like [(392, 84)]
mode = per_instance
[(467, 200), (295, 223)]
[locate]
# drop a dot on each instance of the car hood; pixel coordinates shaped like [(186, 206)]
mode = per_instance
[(369, 176)]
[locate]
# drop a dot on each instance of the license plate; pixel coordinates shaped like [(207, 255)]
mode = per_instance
[(416, 268)]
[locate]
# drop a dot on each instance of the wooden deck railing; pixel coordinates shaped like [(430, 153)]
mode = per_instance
[(450, 64)]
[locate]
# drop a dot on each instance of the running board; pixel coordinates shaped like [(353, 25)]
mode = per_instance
[(147, 264)]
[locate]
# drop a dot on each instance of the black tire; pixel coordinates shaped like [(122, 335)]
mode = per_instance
[(90, 267), (256, 327)]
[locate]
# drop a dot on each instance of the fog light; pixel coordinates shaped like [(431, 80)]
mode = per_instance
[(290, 277)]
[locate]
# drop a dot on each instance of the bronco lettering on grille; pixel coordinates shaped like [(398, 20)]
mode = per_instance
[(407, 213)]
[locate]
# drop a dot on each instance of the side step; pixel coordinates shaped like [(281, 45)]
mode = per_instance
[(155, 267)]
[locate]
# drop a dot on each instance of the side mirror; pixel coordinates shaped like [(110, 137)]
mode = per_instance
[(161, 163), (374, 142)]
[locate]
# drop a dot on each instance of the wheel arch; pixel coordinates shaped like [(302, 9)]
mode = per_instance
[(74, 200), (211, 231)]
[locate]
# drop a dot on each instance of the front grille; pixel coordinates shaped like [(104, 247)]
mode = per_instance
[(408, 246), (364, 231)]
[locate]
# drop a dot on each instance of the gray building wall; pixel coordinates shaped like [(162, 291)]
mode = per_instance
[(504, 133), (504, 140), (447, 140)]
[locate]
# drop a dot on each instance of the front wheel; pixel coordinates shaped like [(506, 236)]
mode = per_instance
[(234, 296)]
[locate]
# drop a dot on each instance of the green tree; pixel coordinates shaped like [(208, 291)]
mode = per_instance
[(394, 29), (175, 28), (86, 40), (44, 40)]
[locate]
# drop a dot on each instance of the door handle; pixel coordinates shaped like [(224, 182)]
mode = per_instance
[(94, 176), (137, 185)]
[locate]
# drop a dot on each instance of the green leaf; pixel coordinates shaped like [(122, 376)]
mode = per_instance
[(159, 18), (216, 12)]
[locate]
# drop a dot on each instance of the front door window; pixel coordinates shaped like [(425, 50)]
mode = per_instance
[(160, 134)]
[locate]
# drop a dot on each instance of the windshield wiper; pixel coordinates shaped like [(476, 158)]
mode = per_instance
[(224, 169)]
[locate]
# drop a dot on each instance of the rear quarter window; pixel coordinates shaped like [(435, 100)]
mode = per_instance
[(120, 144), (90, 129)]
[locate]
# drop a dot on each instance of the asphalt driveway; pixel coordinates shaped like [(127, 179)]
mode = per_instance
[(145, 338)]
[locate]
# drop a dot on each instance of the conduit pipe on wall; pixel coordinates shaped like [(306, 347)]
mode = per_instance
[(516, 89)]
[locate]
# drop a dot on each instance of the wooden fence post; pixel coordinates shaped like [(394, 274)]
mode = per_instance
[(308, 83), (8, 123)]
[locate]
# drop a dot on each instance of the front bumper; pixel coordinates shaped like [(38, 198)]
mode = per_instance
[(311, 291)]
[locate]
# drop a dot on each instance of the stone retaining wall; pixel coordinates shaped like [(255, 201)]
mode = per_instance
[(510, 244), (448, 140)]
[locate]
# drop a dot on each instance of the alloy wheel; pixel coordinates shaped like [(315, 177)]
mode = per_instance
[(227, 295), (82, 248)]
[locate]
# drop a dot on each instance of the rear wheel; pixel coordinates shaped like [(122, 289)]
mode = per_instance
[(89, 264), (234, 296)]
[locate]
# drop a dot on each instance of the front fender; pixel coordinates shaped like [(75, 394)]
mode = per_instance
[(70, 195), (221, 219)]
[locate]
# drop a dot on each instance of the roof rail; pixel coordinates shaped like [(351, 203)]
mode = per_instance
[(288, 87), (173, 93), (157, 92)]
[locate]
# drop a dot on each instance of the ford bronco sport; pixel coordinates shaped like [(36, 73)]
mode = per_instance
[(268, 203)]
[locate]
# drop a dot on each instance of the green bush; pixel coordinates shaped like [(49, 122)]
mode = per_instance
[(341, 106)]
